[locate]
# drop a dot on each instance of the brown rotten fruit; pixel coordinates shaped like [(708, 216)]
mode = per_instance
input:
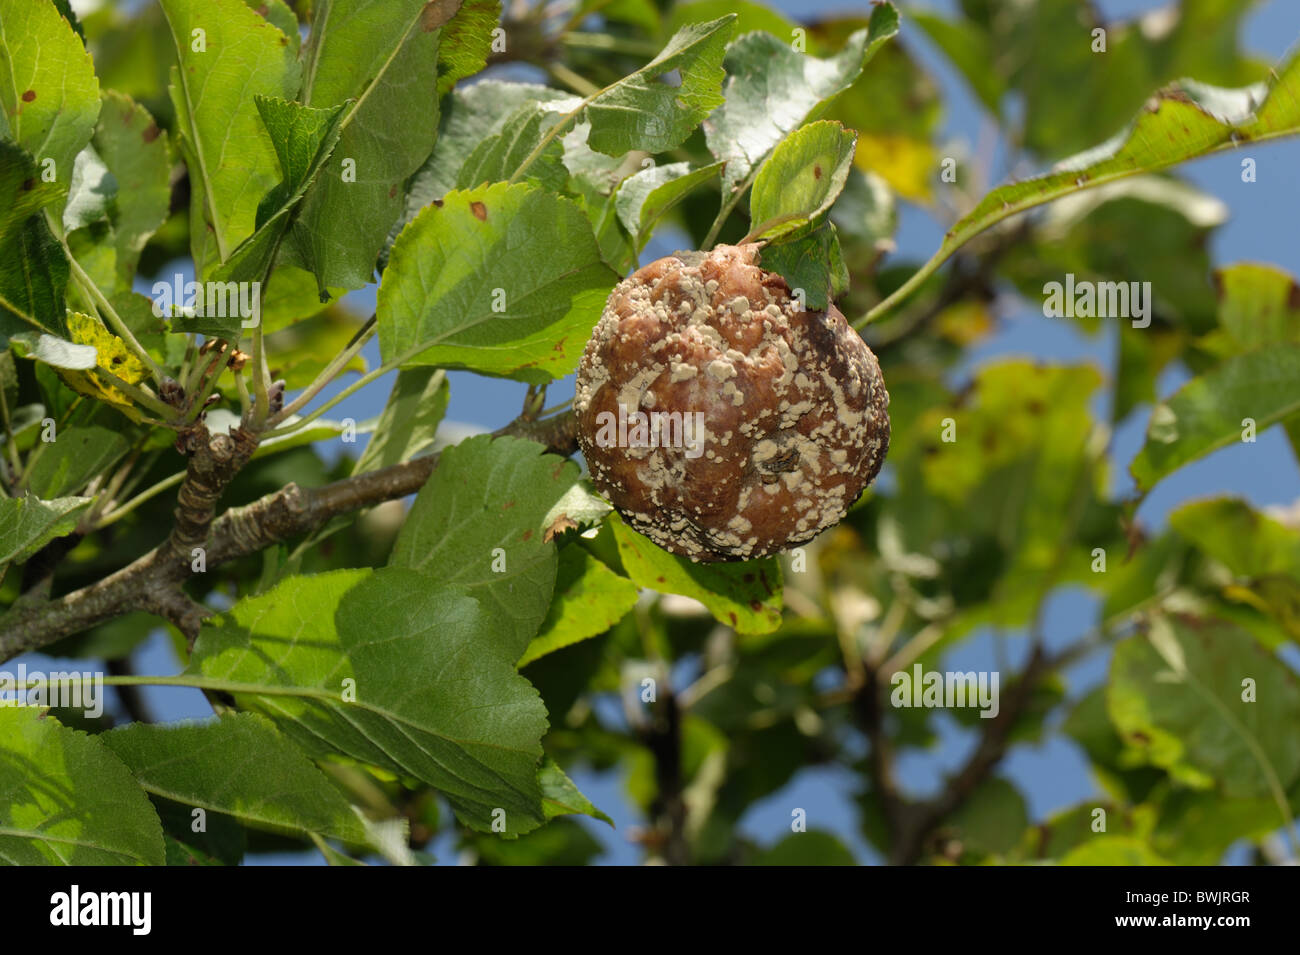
[(720, 418)]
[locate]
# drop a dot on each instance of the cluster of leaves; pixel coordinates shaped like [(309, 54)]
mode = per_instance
[(395, 664)]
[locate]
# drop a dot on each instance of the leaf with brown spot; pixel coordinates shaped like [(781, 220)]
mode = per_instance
[(558, 526), (437, 13), (1180, 124), (720, 587), (437, 303)]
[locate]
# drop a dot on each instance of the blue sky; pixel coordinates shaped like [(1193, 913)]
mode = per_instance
[(1053, 774)]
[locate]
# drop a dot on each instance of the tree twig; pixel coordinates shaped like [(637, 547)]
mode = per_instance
[(152, 582), (912, 823)]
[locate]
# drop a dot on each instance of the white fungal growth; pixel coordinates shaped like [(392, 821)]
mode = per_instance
[(793, 400)]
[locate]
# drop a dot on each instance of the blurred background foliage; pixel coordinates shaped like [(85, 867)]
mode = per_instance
[(980, 553)]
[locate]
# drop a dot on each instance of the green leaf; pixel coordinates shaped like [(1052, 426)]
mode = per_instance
[(897, 110), (644, 198), (1258, 305), (304, 138), (1209, 412), (8, 381), (48, 90), (745, 596), (1250, 543), (1051, 75), (993, 818), (279, 13), (409, 422), (496, 158), (467, 42), (140, 158), (91, 192), (560, 797), (1263, 554), (771, 91), (1075, 235), (811, 260), (801, 179), (384, 57), (469, 116), (33, 267), (1176, 697), (1197, 828), (302, 351), (1113, 850), (437, 696), (228, 56), (504, 280), (589, 599), (240, 766), (77, 455), (562, 842), (807, 848), (477, 524), (1026, 427), (1179, 123), (65, 799), (597, 197), (580, 506), (749, 16), (642, 111), (222, 842), (53, 351), (1088, 724), (27, 524)]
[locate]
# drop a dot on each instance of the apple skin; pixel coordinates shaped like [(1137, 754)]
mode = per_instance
[(722, 419)]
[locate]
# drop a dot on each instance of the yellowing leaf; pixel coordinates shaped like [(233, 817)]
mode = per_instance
[(906, 163), (111, 354)]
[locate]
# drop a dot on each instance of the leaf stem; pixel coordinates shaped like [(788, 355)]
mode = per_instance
[(149, 492), (728, 203), (11, 448), (606, 41), (136, 393), (352, 389), (199, 682), (214, 375), (579, 84), (109, 314), (261, 380), (915, 281), (330, 371), (42, 445), (245, 401)]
